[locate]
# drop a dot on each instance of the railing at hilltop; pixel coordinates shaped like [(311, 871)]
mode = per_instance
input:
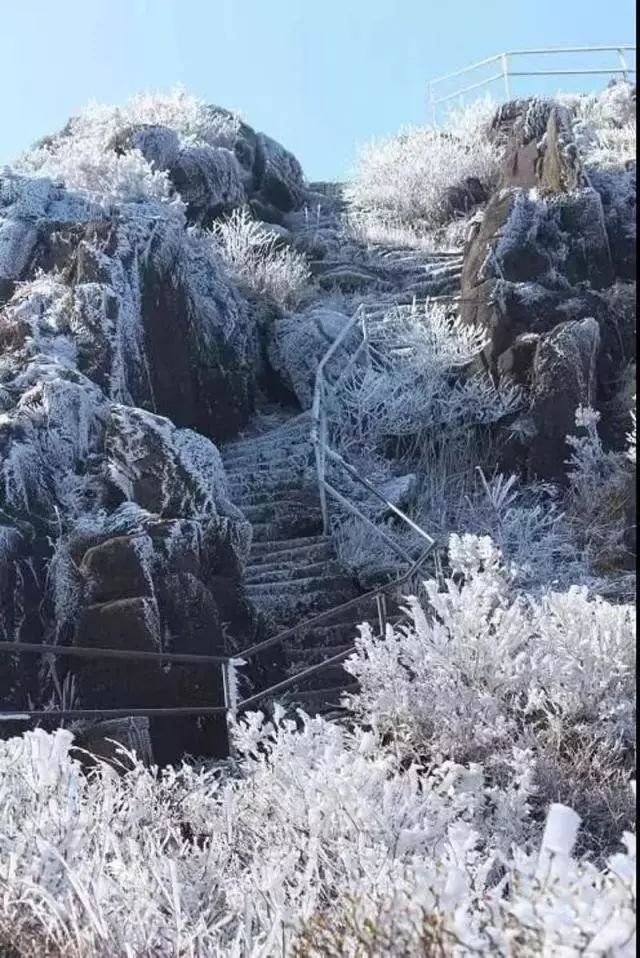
[(509, 65)]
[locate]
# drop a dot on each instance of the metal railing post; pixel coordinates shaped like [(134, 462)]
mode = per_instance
[(623, 63), (230, 690), (505, 74), (381, 605)]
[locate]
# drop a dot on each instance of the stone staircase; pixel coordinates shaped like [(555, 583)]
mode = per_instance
[(293, 573)]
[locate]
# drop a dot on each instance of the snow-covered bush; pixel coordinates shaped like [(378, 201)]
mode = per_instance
[(407, 175), (604, 125), (415, 403), (83, 166), (488, 674), (411, 386), (82, 155), (600, 495), (254, 258), (413, 833)]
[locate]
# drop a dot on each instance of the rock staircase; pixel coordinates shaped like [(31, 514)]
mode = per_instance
[(293, 573)]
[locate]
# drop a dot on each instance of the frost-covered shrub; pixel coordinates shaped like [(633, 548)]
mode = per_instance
[(254, 258), (82, 155), (489, 674), (316, 841), (599, 501), (415, 404), (411, 386), (604, 126), (411, 833), (81, 165), (408, 174)]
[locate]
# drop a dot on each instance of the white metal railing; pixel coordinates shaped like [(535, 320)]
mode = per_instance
[(505, 70), (324, 451)]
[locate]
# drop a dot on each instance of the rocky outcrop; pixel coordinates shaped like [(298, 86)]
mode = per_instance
[(299, 342), (549, 252), (562, 366), (126, 349)]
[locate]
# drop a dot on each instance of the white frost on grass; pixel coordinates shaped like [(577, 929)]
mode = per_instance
[(407, 175), (422, 829)]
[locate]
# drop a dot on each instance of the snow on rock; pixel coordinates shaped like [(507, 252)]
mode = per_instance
[(556, 241), (298, 343), (124, 345)]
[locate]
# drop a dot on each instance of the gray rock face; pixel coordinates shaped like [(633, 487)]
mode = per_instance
[(552, 245), (228, 165), (299, 342), (159, 145), (279, 177), (564, 377), (209, 180), (124, 337)]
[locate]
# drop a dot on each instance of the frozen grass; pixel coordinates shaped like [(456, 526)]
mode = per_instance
[(405, 177), (421, 831), (255, 259), (82, 157)]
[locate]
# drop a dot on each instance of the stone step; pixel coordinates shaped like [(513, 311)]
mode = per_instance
[(288, 609), (278, 574), (278, 546), (269, 464), (312, 583), (258, 496), (267, 452), (273, 561), (293, 526), (304, 658), (329, 677), (291, 431), (277, 510), (270, 476)]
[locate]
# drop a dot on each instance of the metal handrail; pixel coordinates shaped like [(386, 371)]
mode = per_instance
[(505, 73), (323, 450), (229, 664)]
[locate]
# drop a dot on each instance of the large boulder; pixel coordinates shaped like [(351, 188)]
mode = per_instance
[(125, 348), (299, 342), (159, 145), (279, 177), (563, 378), (542, 271), (209, 180)]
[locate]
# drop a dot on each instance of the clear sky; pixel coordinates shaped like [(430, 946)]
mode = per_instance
[(319, 76)]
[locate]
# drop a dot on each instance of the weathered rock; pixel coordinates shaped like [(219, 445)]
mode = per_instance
[(107, 741), (200, 345), (564, 377), (279, 177), (265, 212), (529, 259), (460, 200), (514, 365), (299, 342), (617, 192), (209, 181), (159, 145)]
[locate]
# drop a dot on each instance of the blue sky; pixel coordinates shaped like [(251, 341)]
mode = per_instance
[(319, 76)]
